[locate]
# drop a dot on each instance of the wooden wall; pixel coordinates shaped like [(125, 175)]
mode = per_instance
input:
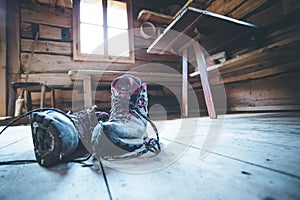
[(259, 76), (53, 54), (3, 57), (263, 73)]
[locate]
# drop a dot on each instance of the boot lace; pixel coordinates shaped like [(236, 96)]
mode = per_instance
[(119, 109)]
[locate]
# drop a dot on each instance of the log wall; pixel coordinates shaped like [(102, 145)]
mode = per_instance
[(2, 57), (263, 74), (53, 55)]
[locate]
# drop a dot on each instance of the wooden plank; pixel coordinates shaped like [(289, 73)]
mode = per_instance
[(108, 75), (246, 7), (194, 177), (35, 13), (13, 35), (51, 47), (141, 54), (269, 93), (46, 32), (262, 73), (51, 79), (290, 6), (248, 155), (147, 15), (251, 74), (276, 54), (267, 16), (58, 63), (62, 3), (252, 132), (3, 46), (224, 7), (49, 32), (263, 108)]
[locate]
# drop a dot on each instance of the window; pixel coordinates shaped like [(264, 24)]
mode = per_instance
[(102, 31)]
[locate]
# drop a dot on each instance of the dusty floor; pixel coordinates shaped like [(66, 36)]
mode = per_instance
[(241, 156)]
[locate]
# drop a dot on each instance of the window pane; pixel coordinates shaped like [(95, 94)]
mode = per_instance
[(91, 12), (117, 14), (118, 42), (91, 39)]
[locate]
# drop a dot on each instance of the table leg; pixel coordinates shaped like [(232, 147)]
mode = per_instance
[(205, 80), (185, 83)]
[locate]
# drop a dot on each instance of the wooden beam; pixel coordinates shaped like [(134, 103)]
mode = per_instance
[(13, 39), (224, 7), (157, 18), (59, 63), (50, 32), (267, 16), (45, 15), (281, 48), (246, 8), (51, 79), (141, 54), (46, 32), (3, 46), (62, 3), (51, 47), (263, 108), (290, 6)]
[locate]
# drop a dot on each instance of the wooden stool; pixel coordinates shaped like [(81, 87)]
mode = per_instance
[(29, 87)]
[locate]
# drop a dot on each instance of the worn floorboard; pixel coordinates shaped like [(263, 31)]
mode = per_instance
[(241, 156)]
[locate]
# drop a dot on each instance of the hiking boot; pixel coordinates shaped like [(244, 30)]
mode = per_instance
[(54, 136), (125, 130)]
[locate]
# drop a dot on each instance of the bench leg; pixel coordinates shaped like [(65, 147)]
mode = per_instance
[(53, 98), (29, 102), (43, 95), (12, 100), (87, 91)]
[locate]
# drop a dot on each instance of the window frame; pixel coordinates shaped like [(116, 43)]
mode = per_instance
[(78, 56)]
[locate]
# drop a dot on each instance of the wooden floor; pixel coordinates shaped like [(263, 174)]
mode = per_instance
[(241, 156)]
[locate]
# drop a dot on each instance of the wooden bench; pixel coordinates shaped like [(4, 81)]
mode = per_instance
[(90, 76), (29, 87)]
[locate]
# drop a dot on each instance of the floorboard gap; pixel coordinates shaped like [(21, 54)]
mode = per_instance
[(105, 180), (236, 159)]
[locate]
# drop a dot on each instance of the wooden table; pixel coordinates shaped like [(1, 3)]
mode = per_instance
[(191, 28)]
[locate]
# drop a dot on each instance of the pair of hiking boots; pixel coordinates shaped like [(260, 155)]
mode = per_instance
[(57, 136)]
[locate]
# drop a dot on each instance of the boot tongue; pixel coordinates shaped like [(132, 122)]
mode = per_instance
[(125, 86)]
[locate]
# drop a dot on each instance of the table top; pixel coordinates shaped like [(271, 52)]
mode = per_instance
[(215, 31)]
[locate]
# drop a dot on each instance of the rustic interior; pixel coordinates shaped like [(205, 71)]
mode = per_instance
[(258, 73)]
